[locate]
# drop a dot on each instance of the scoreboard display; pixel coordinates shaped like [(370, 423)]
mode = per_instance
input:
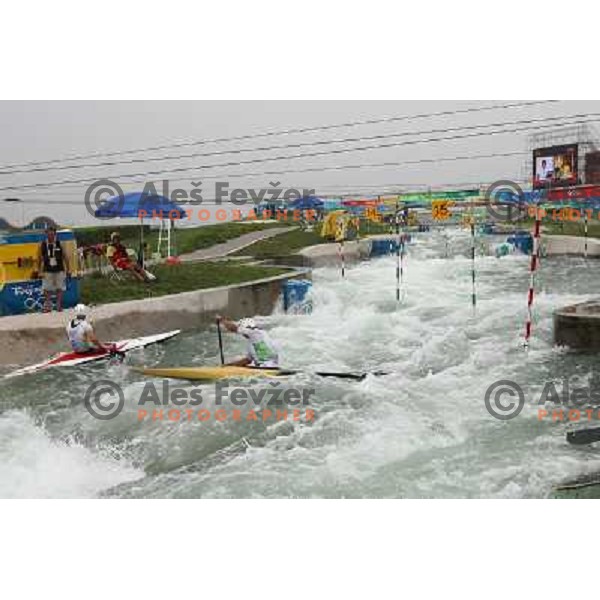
[(555, 166)]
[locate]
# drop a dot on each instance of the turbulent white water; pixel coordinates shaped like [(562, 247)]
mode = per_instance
[(420, 431)]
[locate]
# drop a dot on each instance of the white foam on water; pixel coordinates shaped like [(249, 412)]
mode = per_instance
[(420, 431), (423, 430), (33, 465)]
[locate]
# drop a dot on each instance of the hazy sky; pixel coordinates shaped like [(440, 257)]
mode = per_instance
[(41, 131)]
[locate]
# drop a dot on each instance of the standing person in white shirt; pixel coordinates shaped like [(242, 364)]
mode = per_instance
[(53, 266), (546, 172)]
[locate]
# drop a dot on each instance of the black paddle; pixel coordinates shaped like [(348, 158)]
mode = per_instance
[(584, 436), (353, 376), (338, 375), (220, 341)]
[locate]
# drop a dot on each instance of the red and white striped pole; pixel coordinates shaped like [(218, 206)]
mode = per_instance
[(533, 266), (585, 227)]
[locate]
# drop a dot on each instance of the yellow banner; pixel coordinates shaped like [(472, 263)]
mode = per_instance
[(19, 261), (372, 214), (440, 210)]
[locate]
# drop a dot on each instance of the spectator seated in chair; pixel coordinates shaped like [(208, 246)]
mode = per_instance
[(91, 256), (120, 260)]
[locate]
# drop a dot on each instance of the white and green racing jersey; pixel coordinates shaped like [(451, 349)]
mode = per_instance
[(261, 349)]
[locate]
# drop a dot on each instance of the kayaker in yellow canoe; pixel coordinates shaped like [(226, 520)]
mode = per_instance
[(262, 351)]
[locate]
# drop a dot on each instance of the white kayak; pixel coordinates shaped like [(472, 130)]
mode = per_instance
[(72, 359)]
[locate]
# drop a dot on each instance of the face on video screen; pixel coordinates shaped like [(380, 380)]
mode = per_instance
[(544, 167), (557, 165)]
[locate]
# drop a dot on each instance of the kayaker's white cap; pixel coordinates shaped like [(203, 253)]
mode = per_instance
[(247, 324), (81, 311)]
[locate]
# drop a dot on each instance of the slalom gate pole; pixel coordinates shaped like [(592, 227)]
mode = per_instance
[(392, 228), (585, 233), (446, 244), (473, 292), (142, 258), (402, 257), (399, 256), (533, 266), (220, 337), (342, 259)]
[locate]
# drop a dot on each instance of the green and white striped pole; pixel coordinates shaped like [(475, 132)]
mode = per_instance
[(473, 291)]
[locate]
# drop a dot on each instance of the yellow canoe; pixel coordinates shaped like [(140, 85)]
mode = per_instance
[(207, 373)]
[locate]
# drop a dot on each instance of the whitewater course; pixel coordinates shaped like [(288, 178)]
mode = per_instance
[(422, 430)]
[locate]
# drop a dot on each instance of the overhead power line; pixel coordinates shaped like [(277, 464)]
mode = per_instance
[(288, 131), (360, 166), (297, 145), (197, 168)]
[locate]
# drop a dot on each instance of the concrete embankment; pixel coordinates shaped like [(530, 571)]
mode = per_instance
[(578, 326), (560, 245), (26, 339), (326, 255)]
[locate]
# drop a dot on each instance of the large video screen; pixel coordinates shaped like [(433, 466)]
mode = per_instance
[(555, 166)]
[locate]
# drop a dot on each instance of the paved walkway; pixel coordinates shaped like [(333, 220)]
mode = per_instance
[(247, 239)]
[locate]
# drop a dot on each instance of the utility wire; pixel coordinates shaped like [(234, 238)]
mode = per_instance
[(391, 189), (289, 157), (298, 144), (359, 166), (289, 131)]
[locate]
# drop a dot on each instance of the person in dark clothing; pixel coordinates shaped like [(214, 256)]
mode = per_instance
[(54, 267)]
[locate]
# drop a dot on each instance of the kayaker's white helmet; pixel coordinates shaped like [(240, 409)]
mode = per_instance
[(81, 311), (247, 324)]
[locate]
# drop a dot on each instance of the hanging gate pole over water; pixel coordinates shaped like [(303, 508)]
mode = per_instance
[(585, 230), (533, 265), (473, 292), (399, 265), (399, 253), (342, 259), (220, 338)]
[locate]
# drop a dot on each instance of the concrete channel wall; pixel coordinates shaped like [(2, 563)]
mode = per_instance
[(561, 245), (578, 326), (327, 255), (26, 339)]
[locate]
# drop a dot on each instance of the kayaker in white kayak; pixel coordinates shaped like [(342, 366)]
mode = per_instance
[(81, 333), (262, 351)]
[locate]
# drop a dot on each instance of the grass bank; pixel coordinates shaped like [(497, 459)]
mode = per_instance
[(286, 244), (186, 239), (282, 245), (570, 228), (556, 227), (100, 289)]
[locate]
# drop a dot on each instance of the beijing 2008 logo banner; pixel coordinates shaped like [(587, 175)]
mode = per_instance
[(27, 297)]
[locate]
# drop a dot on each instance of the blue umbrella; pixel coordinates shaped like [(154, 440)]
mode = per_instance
[(140, 205), (307, 203)]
